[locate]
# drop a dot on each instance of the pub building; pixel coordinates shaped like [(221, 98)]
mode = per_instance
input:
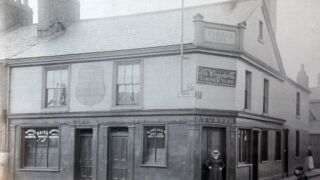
[(124, 98)]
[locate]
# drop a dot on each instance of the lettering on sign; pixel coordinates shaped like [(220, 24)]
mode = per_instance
[(215, 119), (91, 86), (216, 76), (219, 36)]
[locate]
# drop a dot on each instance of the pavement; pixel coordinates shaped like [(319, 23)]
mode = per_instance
[(311, 174)]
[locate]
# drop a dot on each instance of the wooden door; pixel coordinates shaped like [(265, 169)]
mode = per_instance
[(83, 155), (118, 152), (212, 139)]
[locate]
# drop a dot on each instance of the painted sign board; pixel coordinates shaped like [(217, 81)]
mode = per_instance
[(218, 36), (215, 76)]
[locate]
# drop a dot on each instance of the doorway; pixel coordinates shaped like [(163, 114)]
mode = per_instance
[(212, 139), (255, 155), (286, 152), (117, 154), (83, 154)]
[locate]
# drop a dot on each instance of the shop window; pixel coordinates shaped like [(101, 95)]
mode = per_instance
[(264, 145), (265, 96), (247, 92), (40, 147), (128, 84), (298, 104), (278, 145), (154, 148), (260, 31), (56, 84), (244, 146), (297, 143)]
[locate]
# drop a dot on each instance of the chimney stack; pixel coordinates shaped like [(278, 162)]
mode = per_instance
[(14, 13), (302, 77), (56, 15)]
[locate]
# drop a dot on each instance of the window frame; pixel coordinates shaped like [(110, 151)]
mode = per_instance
[(266, 146), (250, 147), (115, 79), (143, 163), (45, 69), (21, 155), (298, 104), (261, 31), (248, 92)]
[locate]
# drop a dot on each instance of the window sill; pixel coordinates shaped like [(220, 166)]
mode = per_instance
[(40, 169), (54, 109), (242, 165), (154, 165)]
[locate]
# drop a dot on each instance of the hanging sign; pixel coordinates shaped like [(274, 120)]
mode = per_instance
[(215, 76)]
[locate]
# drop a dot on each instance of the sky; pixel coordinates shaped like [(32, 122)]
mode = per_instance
[(298, 26)]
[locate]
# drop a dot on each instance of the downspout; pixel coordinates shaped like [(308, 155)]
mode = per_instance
[(181, 48)]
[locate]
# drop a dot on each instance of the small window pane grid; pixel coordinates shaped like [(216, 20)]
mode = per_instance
[(154, 151), (264, 146), (244, 147), (128, 84), (265, 96), (56, 88), (247, 93), (278, 145), (297, 143), (298, 104), (40, 148)]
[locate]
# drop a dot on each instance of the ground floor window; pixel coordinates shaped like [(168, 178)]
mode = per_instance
[(278, 145), (244, 146), (40, 147), (297, 143), (264, 145), (154, 148)]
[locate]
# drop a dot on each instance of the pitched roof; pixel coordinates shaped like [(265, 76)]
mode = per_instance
[(137, 31)]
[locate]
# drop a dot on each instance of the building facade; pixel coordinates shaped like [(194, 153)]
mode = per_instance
[(125, 98)]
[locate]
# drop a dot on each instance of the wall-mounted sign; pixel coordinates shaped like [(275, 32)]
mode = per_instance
[(214, 76), (218, 36)]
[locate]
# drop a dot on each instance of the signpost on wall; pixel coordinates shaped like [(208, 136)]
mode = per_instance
[(215, 76)]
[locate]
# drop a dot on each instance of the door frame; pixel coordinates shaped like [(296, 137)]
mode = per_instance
[(76, 129), (226, 129)]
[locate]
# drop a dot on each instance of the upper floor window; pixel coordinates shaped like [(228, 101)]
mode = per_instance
[(260, 31), (298, 104), (265, 95), (128, 83), (56, 86), (40, 147), (247, 92)]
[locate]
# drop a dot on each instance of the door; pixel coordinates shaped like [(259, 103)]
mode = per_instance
[(286, 152), (83, 155), (213, 139), (255, 155), (117, 153)]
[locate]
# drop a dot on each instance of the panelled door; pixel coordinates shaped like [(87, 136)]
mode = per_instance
[(118, 153), (83, 155)]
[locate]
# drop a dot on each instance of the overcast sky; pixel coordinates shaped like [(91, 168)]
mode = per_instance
[(298, 26)]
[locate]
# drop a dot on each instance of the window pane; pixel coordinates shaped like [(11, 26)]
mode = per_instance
[(121, 92), (42, 147), (264, 146), (49, 79), (136, 73), (121, 71), (136, 92), (278, 146), (128, 74), (53, 151), (30, 147), (64, 78)]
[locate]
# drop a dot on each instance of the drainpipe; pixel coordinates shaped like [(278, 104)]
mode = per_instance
[(181, 48)]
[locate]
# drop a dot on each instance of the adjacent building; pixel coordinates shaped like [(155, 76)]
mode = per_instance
[(149, 96), (314, 137)]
